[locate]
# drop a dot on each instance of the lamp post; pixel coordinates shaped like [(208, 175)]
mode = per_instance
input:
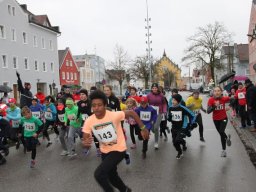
[(188, 75)]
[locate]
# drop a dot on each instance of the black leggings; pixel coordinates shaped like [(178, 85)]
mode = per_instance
[(134, 130), (106, 173), (221, 126), (163, 127), (178, 139), (200, 124), (46, 127), (31, 143), (244, 116)]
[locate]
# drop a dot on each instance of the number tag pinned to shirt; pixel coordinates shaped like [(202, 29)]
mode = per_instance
[(156, 108), (15, 123), (176, 115), (84, 116), (196, 112), (48, 115), (219, 107), (36, 114), (145, 115), (105, 133), (29, 126), (61, 118), (241, 96)]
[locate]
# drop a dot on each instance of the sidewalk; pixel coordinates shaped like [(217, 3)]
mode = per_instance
[(248, 138)]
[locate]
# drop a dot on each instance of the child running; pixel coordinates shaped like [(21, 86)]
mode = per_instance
[(36, 108), (216, 104), (106, 126), (31, 127), (148, 116)]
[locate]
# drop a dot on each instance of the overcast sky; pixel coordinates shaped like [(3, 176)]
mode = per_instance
[(86, 24)]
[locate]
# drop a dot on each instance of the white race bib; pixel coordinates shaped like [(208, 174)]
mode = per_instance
[(72, 117), (36, 114), (84, 116), (196, 112), (29, 126), (163, 117), (241, 96), (61, 118), (156, 108), (105, 133), (220, 107), (145, 115), (15, 123), (48, 115), (176, 115)]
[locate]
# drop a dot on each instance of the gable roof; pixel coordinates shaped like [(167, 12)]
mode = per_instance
[(62, 54), (243, 52)]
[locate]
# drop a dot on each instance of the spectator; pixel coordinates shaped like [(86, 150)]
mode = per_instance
[(251, 101), (5, 98)]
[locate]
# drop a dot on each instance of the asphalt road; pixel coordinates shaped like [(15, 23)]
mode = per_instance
[(200, 170)]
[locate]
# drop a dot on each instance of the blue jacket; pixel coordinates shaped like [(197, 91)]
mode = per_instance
[(36, 108), (52, 107), (13, 115), (150, 118)]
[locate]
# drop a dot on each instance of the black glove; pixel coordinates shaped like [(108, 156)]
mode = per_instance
[(192, 126), (17, 73)]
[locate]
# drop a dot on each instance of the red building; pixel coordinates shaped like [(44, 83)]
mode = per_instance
[(69, 73)]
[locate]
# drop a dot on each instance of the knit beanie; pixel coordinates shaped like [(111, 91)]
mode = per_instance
[(84, 91), (177, 97), (154, 85), (69, 102)]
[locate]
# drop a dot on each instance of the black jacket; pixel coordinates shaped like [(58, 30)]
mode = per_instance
[(251, 97), (84, 107), (25, 95), (113, 103)]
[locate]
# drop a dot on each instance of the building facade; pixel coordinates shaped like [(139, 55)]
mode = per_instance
[(69, 73), (28, 44)]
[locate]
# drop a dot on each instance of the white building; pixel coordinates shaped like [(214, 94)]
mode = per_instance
[(28, 44)]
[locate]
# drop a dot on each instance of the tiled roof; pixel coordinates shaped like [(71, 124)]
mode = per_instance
[(243, 52), (62, 54)]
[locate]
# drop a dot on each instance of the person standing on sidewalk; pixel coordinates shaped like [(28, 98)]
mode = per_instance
[(241, 98), (217, 106), (106, 126), (194, 103), (251, 101)]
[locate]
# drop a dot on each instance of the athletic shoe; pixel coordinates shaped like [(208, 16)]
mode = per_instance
[(229, 140), (98, 152), (127, 158), (184, 148), (179, 155), (32, 163), (17, 145), (72, 154), (48, 144), (223, 153), (64, 153), (202, 139), (86, 151), (133, 146), (2, 161), (144, 155), (156, 146), (165, 138)]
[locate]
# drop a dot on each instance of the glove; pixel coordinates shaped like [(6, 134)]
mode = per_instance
[(192, 126)]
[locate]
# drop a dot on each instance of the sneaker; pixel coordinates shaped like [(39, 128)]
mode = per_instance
[(165, 138), (127, 158), (184, 148), (32, 163), (179, 155), (156, 146), (229, 140), (64, 153), (48, 144), (144, 155), (17, 145), (86, 151), (98, 153), (73, 154), (2, 161), (223, 153), (202, 139), (133, 146)]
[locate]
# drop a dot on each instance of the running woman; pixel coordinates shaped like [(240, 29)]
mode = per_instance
[(216, 104), (148, 115), (31, 127), (194, 103), (180, 128), (50, 114), (157, 100), (106, 126)]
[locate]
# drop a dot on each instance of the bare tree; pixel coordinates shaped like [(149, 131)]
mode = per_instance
[(205, 46)]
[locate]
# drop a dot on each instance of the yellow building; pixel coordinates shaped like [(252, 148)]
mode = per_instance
[(167, 73)]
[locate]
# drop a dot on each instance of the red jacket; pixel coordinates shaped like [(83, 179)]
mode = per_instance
[(41, 97), (240, 96)]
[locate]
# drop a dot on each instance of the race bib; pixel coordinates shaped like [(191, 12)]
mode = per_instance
[(71, 117), (36, 114), (61, 118), (105, 133), (48, 115), (145, 115), (241, 96), (15, 123), (29, 126), (176, 115), (156, 108), (163, 117), (220, 107), (84, 116), (196, 112)]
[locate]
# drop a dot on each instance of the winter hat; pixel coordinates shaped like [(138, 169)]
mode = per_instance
[(12, 100), (144, 99), (248, 81), (69, 102), (177, 97), (154, 85), (175, 90), (84, 91)]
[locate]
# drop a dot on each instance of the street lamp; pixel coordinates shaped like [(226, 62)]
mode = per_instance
[(188, 75)]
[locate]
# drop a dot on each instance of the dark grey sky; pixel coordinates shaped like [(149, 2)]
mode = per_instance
[(86, 24)]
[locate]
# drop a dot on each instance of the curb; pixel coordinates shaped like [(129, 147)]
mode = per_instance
[(247, 138)]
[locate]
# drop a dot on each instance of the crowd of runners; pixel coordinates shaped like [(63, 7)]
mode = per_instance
[(97, 118)]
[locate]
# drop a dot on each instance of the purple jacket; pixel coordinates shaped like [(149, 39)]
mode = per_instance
[(147, 120), (158, 100)]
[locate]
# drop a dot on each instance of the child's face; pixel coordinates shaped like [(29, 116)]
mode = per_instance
[(83, 96), (69, 106), (34, 102), (12, 104), (143, 104), (27, 115), (130, 104), (174, 102), (46, 102)]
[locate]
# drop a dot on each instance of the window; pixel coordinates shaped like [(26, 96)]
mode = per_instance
[(4, 61), (36, 66), (75, 76), (14, 62), (13, 11), (52, 69), (44, 67), (14, 35), (71, 76), (63, 75), (26, 65), (67, 74), (35, 41), (70, 63), (43, 43), (2, 32), (9, 9), (50, 45), (67, 63), (24, 36)]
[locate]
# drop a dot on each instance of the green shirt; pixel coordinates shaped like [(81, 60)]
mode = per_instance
[(30, 126), (73, 111)]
